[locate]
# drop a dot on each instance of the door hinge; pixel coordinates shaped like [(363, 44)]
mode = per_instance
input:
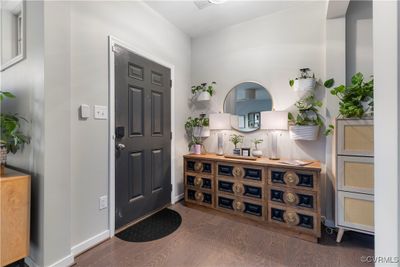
[(171, 188), (171, 136), (170, 83)]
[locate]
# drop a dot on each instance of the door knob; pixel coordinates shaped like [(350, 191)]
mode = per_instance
[(120, 146)]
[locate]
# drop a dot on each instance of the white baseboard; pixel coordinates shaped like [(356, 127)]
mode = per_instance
[(64, 262), (30, 262), (177, 198), (89, 243)]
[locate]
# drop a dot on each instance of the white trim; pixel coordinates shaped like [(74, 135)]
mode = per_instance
[(64, 262), (21, 56), (30, 262), (177, 198), (111, 98), (90, 242)]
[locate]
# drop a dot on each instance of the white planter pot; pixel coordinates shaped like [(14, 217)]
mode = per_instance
[(309, 133), (201, 131), (257, 153), (3, 155), (304, 85), (203, 96)]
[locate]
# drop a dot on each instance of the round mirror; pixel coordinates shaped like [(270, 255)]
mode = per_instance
[(245, 102)]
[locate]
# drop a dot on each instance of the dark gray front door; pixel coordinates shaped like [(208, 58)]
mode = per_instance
[(143, 133)]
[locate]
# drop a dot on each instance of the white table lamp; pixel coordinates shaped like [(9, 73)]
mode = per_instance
[(274, 121), (220, 121)]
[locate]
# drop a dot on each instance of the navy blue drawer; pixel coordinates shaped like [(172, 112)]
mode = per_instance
[(206, 183), (302, 220), (198, 166), (225, 186), (225, 170), (252, 191), (225, 203), (203, 197), (252, 174), (300, 199), (253, 209), (297, 179)]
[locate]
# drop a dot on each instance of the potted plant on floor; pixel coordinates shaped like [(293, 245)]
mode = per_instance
[(305, 82), (236, 139), (256, 152), (203, 92), (306, 124), (11, 139)]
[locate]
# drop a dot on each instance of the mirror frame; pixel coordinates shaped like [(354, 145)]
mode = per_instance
[(20, 57), (232, 87)]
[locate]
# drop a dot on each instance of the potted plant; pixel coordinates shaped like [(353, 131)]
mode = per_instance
[(305, 82), (11, 139), (306, 124), (198, 126), (204, 91), (355, 100), (236, 139), (196, 144), (256, 152)]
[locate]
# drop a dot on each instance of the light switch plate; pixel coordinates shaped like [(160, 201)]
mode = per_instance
[(103, 202), (100, 112), (84, 111)]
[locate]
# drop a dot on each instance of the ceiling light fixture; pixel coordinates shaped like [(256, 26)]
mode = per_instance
[(217, 2)]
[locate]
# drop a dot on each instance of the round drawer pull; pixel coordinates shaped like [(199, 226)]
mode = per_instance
[(198, 181), (238, 188), (198, 166), (199, 196), (290, 198), (238, 206), (238, 172), (291, 218), (291, 178)]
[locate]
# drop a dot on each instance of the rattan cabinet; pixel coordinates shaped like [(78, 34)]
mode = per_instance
[(355, 176)]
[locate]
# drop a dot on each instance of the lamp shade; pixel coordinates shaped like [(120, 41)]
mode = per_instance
[(274, 120), (220, 121)]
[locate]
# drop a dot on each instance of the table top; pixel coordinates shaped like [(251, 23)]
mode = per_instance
[(10, 174), (264, 161)]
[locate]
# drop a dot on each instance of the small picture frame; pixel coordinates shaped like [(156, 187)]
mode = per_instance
[(245, 152)]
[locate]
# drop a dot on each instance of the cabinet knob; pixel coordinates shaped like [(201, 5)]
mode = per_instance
[(199, 196), (291, 218), (291, 198), (198, 166), (238, 206), (238, 188), (198, 181), (238, 172), (291, 178)]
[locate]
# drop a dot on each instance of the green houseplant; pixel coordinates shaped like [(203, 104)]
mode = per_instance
[(355, 100), (236, 139), (305, 82), (197, 129), (306, 124), (256, 152), (204, 91), (11, 139)]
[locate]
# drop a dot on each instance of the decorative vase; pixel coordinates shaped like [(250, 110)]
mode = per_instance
[(236, 151), (304, 132), (257, 153), (203, 96), (201, 131), (3, 158), (197, 149)]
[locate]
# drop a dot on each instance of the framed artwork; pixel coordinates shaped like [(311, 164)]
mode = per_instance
[(245, 152)]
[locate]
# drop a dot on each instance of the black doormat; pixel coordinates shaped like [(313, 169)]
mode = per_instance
[(156, 226)]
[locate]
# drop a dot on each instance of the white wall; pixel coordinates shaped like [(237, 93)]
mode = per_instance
[(387, 123), (91, 24), (269, 50), (26, 81), (359, 50)]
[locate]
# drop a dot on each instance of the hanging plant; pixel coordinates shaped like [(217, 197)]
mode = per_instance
[(305, 82), (204, 91)]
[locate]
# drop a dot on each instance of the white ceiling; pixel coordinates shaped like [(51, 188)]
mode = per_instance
[(196, 22)]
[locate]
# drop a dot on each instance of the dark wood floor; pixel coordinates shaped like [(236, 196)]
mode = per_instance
[(209, 240)]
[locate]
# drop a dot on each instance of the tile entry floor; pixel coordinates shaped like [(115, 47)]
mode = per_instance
[(210, 240)]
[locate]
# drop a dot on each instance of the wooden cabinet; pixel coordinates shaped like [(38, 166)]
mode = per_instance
[(354, 176), (265, 191), (14, 216)]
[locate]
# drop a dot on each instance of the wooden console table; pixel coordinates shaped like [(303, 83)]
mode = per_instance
[(275, 195), (14, 216)]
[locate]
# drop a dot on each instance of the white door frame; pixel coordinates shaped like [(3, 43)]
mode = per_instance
[(111, 138)]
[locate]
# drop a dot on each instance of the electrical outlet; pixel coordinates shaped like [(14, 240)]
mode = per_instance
[(100, 112), (103, 202)]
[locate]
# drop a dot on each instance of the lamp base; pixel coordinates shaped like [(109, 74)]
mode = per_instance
[(220, 144)]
